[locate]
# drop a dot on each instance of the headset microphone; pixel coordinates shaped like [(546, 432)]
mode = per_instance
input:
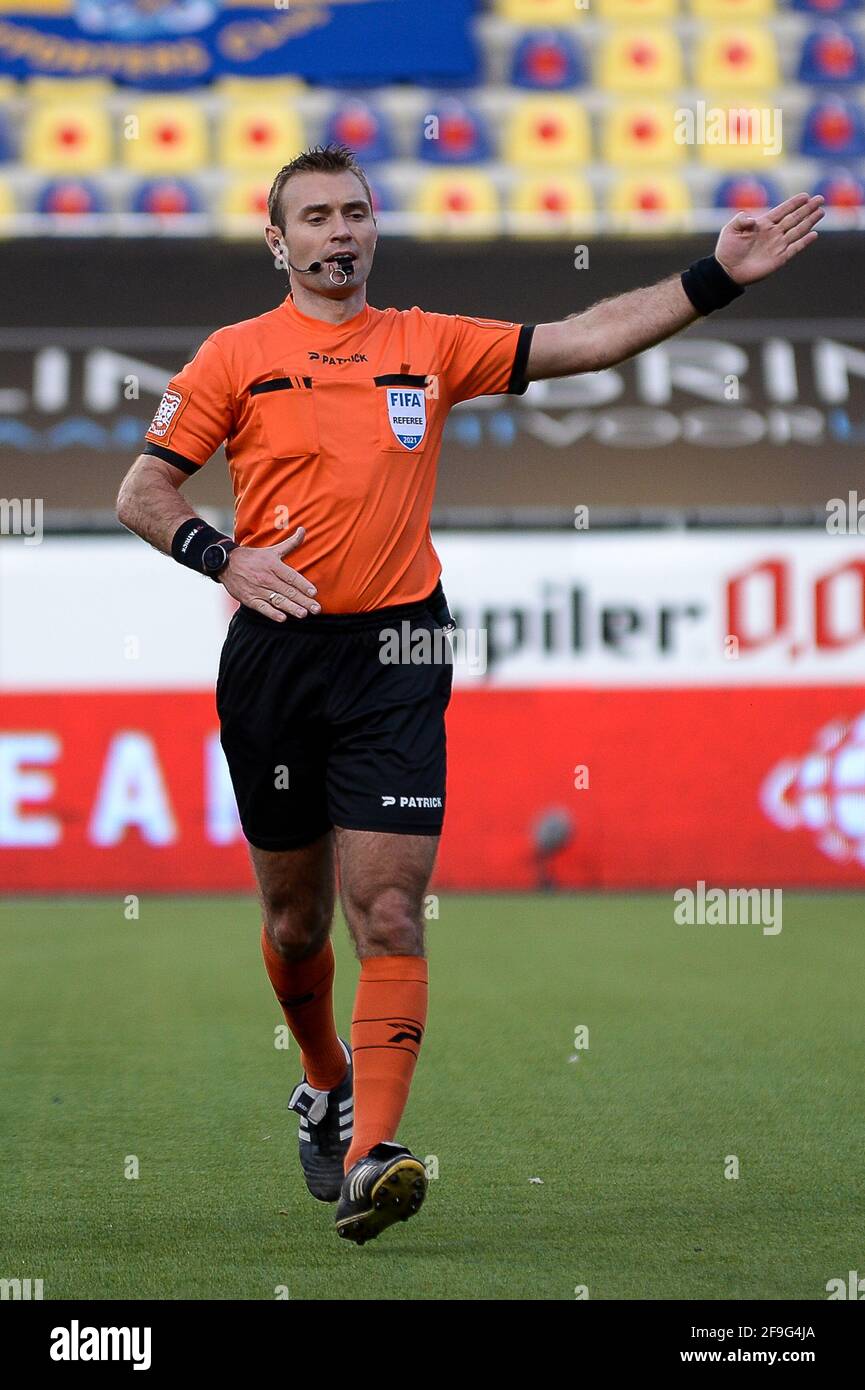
[(343, 267)]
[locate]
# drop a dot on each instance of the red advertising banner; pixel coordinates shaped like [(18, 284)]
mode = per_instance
[(754, 786)]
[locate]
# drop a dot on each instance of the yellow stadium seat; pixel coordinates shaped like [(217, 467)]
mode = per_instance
[(649, 203), (62, 137), (635, 11), (461, 202), (258, 135), (244, 206), (165, 135), (645, 59), (732, 11), (258, 88), (547, 131), (542, 14), (641, 133), (550, 205), (736, 135), (744, 56), (67, 88), (7, 207)]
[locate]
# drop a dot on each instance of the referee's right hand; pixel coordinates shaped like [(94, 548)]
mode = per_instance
[(258, 577)]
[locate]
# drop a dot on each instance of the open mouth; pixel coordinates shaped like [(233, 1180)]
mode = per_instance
[(341, 256)]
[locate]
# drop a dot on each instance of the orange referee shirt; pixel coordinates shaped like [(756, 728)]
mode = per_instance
[(337, 429)]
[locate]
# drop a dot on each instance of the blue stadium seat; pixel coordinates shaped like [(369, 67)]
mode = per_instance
[(8, 150), (832, 56), (359, 125), (753, 191), (547, 61), (827, 7), (70, 197), (453, 133), (166, 197), (833, 129), (382, 196), (842, 189)]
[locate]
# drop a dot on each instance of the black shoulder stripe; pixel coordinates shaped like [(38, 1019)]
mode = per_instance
[(518, 384), (400, 379), (169, 456)]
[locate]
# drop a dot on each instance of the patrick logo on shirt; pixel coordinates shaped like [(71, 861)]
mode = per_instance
[(406, 410)]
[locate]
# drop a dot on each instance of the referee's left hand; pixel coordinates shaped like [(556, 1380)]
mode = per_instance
[(754, 245), (258, 577)]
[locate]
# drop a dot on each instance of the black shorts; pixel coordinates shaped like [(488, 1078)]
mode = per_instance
[(318, 730)]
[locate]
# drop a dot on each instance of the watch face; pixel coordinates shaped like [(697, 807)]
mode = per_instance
[(214, 557)]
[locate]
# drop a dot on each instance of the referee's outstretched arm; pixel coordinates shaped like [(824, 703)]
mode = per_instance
[(749, 249)]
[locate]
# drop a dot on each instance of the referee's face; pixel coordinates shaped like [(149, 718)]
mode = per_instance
[(326, 215)]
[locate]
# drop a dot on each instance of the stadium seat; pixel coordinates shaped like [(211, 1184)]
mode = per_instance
[(640, 133), (67, 137), (842, 190), (732, 11), (463, 202), (452, 133), (650, 202), (647, 59), (170, 136), (272, 89), (549, 204), (382, 196), (635, 11), (749, 137), (751, 191), (827, 7), (257, 135), (357, 124), (166, 197), (744, 57), (547, 131), (833, 129), (7, 204), (245, 196), (832, 57), (537, 13), (70, 197), (36, 89), (547, 61), (8, 141)]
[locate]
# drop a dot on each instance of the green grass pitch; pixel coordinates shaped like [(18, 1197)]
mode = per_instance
[(155, 1039)]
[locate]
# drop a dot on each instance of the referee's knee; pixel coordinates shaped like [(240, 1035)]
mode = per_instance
[(296, 931), (385, 922)]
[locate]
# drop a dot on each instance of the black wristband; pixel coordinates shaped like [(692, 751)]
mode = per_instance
[(190, 541), (708, 286)]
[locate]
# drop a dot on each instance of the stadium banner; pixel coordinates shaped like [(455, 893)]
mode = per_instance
[(175, 43), (643, 711)]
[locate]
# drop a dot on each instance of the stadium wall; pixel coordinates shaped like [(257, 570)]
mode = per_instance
[(763, 405), (675, 707)]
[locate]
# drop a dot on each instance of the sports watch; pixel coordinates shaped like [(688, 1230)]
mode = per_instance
[(215, 557)]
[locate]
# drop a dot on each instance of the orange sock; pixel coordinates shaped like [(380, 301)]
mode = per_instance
[(304, 989), (387, 1027)]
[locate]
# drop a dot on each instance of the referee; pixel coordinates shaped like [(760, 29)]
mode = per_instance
[(331, 413)]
